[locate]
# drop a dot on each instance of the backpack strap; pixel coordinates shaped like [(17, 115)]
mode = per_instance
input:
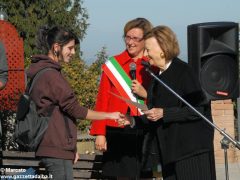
[(33, 80)]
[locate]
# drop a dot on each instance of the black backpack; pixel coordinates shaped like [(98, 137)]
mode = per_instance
[(29, 126)]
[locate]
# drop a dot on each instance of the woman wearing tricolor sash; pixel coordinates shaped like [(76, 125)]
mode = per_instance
[(121, 146)]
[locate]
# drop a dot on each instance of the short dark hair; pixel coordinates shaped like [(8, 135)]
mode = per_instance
[(46, 37)]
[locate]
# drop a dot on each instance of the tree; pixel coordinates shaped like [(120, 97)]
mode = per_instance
[(87, 87), (28, 15), (101, 59)]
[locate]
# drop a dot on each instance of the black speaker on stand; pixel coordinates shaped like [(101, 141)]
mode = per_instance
[(213, 54)]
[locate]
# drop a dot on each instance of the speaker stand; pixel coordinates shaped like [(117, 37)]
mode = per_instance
[(225, 146)]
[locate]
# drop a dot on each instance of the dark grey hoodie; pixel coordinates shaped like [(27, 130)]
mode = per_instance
[(52, 88)]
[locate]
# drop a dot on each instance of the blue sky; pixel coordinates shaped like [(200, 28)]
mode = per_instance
[(108, 17)]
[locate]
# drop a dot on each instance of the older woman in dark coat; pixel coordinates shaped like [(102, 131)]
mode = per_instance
[(182, 139)]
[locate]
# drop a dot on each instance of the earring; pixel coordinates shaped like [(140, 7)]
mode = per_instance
[(161, 55), (55, 53)]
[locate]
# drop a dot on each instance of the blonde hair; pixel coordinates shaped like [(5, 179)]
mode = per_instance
[(166, 39), (140, 23)]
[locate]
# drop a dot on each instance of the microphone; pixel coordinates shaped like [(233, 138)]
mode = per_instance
[(145, 64), (132, 67)]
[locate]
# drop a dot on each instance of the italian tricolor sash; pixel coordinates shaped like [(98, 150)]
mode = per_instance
[(122, 82)]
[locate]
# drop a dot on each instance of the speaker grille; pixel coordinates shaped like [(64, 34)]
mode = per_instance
[(219, 76)]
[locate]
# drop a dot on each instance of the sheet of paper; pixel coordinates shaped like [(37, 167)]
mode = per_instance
[(138, 105)]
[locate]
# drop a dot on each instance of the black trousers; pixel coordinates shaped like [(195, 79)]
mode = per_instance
[(124, 150), (198, 167)]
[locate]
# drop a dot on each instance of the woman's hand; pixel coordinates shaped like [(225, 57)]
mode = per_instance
[(101, 143), (154, 114), (138, 89), (115, 115), (126, 120), (76, 158)]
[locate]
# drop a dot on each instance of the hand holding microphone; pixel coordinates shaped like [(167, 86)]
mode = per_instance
[(137, 88)]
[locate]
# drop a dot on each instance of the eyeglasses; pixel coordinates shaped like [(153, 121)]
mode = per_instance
[(135, 39)]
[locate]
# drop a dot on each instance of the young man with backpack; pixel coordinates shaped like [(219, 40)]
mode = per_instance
[(57, 149)]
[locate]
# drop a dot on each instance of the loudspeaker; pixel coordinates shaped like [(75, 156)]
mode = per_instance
[(213, 55)]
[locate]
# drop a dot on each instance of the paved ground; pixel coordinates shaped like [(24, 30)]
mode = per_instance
[(233, 168)]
